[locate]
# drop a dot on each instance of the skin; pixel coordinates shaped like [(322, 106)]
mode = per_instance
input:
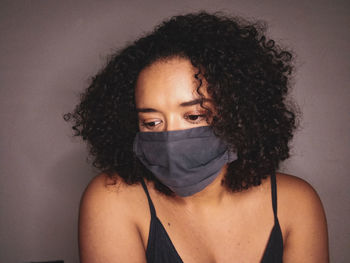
[(214, 225)]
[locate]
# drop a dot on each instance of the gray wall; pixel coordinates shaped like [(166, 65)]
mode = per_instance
[(49, 49)]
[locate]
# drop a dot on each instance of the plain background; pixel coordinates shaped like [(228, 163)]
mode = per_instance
[(50, 49)]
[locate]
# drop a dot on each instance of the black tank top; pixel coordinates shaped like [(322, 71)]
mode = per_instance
[(160, 249)]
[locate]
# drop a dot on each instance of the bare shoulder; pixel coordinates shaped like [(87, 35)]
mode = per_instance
[(296, 189), (302, 216), (108, 229), (297, 195), (108, 190), (109, 195)]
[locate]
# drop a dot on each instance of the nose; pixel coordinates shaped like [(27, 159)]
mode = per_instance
[(173, 123)]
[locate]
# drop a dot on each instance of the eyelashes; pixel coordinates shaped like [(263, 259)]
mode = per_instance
[(195, 118), (192, 118), (150, 124)]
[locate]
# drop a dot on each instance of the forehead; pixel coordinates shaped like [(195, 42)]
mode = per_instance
[(168, 82)]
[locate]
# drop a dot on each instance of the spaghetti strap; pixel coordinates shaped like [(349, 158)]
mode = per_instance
[(151, 206), (274, 194), (161, 249)]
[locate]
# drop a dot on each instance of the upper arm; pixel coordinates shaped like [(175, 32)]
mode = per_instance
[(107, 232), (306, 236)]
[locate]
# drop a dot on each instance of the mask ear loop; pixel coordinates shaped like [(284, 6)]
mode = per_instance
[(232, 156)]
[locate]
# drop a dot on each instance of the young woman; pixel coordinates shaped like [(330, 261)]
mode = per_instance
[(189, 124)]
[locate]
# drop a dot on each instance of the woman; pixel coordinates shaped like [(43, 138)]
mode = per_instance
[(189, 124)]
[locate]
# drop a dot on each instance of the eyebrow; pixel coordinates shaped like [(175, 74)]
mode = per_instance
[(183, 104), (146, 110), (194, 102)]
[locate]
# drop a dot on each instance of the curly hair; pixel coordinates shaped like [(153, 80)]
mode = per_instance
[(248, 78)]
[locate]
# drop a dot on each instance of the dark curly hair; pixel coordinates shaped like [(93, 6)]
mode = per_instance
[(247, 77)]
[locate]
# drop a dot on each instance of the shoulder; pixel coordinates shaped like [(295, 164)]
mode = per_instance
[(297, 194), (297, 199), (302, 219), (112, 197), (108, 195), (107, 220), (108, 191), (295, 188)]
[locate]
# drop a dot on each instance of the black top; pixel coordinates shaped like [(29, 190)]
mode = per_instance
[(160, 249)]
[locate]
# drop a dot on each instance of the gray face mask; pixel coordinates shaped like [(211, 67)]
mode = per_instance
[(184, 160)]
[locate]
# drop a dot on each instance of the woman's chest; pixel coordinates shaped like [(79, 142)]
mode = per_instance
[(238, 233)]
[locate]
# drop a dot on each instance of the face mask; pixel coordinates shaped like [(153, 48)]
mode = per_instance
[(184, 160)]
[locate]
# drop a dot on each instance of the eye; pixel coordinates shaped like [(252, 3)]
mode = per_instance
[(195, 118), (151, 124)]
